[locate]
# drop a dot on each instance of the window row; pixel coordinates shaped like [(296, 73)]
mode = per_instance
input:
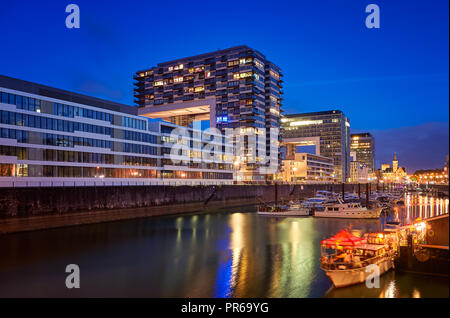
[(71, 111), (70, 141), (26, 170), (134, 123), (137, 136), (19, 119), (21, 102)]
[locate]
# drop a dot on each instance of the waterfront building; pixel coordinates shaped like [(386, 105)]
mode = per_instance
[(327, 130), (363, 145), (431, 176), (53, 137), (359, 172), (394, 173), (232, 88), (308, 168)]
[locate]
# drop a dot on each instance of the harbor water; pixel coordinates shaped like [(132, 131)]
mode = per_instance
[(226, 253)]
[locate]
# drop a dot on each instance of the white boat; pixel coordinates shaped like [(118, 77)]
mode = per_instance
[(293, 209), (350, 257), (355, 273), (351, 210), (314, 202)]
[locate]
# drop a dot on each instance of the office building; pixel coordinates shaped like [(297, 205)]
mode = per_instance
[(328, 131), (363, 145), (307, 168), (52, 137), (233, 88)]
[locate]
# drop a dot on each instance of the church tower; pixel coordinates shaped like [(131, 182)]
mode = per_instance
[(394, 163)]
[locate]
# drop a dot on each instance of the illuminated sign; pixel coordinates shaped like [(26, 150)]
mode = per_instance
[(222, 119)]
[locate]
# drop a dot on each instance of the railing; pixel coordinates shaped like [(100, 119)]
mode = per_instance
[(328, 262)]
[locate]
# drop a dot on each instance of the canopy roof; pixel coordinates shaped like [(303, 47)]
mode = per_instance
[(343, 238)]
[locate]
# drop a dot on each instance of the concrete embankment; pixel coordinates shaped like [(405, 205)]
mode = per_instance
[(25, 209)]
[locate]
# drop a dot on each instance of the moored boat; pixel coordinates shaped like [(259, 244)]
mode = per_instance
[(292, 209), (345, 258), (352, 210)]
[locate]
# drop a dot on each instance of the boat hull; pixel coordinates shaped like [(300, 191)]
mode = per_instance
[(369, 214), (343, 278), (286, 213)]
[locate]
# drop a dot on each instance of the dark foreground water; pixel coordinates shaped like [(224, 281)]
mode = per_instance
[(220, 254)]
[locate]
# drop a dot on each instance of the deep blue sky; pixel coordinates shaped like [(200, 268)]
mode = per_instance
[(391, 81)]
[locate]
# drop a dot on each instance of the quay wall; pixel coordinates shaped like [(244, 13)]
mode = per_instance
[(25, 202)]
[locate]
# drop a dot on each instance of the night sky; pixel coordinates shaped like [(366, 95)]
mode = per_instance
[(392, 81)]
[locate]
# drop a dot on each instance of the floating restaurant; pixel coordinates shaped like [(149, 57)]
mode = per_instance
[(420, 247)]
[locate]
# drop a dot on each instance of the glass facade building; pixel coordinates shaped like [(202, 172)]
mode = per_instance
[(52, 137), (363, 145), (232, 88), (328, 130)]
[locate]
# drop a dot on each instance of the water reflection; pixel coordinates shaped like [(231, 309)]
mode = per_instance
[(396, 285), (421, 206), (221, 254)]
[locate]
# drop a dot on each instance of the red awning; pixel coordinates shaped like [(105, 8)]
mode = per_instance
[(343, 238)]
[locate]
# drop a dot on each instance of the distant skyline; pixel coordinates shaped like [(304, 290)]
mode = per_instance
[(392, 81)]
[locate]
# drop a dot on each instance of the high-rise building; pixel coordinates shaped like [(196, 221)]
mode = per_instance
[(327, 130), (363, 145), (232, 88), (53, 137)]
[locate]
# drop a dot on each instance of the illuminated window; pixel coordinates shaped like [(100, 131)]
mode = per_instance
[(178, 79), (246, 74), (233, 63), (236, 76), (199, 89), (259, 64), (158, 83), (273, 74)]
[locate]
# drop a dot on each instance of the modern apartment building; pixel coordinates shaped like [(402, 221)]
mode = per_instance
[(308, 168), (327, 130), (232, 88), (52, 137), (363, 145)]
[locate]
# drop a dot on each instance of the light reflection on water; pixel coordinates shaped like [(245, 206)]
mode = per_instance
[(422, 206), (230, 254)]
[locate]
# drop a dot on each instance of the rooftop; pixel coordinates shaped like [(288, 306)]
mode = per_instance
[(47, 91), (326, 112), (206, 55)]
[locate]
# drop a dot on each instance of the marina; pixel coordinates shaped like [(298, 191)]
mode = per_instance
[(222, 253)]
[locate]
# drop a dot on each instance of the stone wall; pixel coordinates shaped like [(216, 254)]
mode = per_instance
[(47, 201)]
